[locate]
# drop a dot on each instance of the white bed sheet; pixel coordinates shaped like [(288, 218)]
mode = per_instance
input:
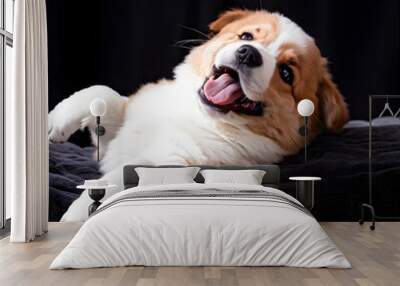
[(206, 231)]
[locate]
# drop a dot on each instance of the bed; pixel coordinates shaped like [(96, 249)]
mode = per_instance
[(201, 224), (340, 159)]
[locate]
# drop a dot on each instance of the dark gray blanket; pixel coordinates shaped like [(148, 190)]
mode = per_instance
[(69, 166), (342, 162), (340, 159)]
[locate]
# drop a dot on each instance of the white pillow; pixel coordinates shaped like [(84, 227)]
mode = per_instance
[(248, 177), (165, 176)]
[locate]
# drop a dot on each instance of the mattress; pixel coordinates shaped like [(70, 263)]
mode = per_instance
[(201, 225)]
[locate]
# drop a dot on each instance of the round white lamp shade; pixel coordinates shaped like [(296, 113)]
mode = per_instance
[(98, 107), (305, 107)]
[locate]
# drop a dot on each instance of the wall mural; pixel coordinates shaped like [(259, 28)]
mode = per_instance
[(232, 101)]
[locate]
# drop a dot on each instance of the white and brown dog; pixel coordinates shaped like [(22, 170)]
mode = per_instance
[(233, 101)]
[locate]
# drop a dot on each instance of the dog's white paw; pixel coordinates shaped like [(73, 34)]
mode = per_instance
[(61, 126), (73, 113)]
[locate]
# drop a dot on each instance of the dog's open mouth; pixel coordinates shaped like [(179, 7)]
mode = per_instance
[(223, 92)]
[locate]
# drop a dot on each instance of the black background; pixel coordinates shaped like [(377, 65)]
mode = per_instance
[(124, 44)]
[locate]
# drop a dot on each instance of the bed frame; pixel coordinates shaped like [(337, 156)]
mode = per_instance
[(271, 177)]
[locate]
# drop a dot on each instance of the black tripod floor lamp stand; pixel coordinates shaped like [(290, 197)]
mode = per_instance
[(98, 109)]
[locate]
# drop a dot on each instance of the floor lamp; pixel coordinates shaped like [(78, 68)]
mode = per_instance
[(305, 108), (98, 108)]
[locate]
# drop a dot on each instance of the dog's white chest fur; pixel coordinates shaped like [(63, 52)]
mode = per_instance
[(165, 123)]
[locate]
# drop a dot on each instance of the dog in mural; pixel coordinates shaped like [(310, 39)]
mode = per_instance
[(232, 101)]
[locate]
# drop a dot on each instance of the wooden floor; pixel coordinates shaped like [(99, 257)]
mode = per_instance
[(375, 257)]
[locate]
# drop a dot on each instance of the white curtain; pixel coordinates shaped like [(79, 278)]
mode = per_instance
[(26, 117)]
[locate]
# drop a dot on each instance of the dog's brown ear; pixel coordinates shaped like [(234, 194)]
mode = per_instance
[(226, 18), (334, 109)]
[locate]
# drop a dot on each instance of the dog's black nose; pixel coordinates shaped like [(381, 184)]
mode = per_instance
[(249, 56)]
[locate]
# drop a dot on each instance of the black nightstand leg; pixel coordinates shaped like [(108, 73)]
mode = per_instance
[(305, 193), (93, 207), (96, 195)]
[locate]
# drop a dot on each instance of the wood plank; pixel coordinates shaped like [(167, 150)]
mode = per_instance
[(375, 257)]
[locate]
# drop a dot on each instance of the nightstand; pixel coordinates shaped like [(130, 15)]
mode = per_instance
[(96, 191), (305, 190)]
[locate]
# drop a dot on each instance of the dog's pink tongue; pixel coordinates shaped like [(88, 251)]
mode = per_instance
[(222, 91)]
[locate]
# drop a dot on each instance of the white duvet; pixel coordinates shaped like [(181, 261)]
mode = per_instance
[(200, 231)]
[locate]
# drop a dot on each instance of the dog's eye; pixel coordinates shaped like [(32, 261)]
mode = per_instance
[(246, 36), (286, 73)]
